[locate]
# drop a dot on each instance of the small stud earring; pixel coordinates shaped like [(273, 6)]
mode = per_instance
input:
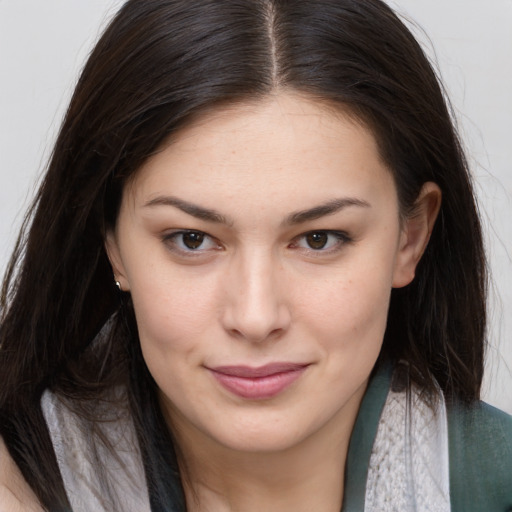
[(118, 284)]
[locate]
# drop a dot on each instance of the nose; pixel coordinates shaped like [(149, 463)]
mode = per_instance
[(256, 309)]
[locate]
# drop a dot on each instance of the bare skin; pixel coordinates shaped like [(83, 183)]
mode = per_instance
[(15, 494), (265, 233)]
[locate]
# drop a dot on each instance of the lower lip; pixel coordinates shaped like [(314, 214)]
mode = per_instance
[(259, 388)]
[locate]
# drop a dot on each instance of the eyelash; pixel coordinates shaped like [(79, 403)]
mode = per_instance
[(341, 239), (171, 241)]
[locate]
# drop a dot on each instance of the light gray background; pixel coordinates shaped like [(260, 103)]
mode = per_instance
[(43, 45)]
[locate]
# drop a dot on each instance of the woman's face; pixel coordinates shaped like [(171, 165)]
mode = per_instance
[(260, 248)]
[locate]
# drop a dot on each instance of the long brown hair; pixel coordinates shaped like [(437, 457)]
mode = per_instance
[(159, 64)]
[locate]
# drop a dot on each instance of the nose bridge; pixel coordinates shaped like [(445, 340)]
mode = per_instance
[(256, 307)]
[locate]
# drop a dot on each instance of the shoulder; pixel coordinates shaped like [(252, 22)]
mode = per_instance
[(480, 440), (15, 494)]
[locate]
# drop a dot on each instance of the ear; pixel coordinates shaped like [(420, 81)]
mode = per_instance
[(416, 231), (114, 255)]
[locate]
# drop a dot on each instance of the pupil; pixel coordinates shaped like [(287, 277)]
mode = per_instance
[(317, 240), (193, 240)]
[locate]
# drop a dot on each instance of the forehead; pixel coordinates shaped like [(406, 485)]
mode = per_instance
[(281, 146)]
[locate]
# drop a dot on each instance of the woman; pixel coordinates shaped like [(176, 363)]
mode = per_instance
[(253, 277)]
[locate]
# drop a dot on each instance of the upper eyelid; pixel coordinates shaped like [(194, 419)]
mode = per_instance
[(336, 232), (177, 232)]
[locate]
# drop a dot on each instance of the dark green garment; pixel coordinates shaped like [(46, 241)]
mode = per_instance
[(361, 441), (480, 441), (480, 453)]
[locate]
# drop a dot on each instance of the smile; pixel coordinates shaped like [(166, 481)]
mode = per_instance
[(259, 383)]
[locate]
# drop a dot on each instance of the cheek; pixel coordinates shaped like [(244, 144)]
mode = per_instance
[(172, 311), (348, 315), (351, 297), (354, 322), (172, 319), (351, 331), (369, 301)]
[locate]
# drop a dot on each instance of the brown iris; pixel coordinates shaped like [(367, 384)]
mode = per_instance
[(317, 240), (193, 240)]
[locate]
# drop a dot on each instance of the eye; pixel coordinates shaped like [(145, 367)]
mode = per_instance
[(317, 240), (190, 241), (322, 240)]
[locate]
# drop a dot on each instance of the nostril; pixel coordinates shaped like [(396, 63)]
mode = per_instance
[(256, 326)]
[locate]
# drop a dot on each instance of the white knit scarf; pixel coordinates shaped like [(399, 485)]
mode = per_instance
[(409, 470)]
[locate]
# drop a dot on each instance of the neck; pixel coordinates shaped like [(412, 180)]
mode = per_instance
[(308, 476), (259, 481)]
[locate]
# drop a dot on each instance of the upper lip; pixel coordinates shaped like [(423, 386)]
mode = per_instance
[(249, 372)]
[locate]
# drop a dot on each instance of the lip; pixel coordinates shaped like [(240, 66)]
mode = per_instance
[(258, 383)]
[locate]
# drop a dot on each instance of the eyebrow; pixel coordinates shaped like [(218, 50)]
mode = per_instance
[(195, 210), (299, 217), (325, 209)]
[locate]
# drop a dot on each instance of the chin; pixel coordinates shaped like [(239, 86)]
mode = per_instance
[(268, 432), (263, 442)]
